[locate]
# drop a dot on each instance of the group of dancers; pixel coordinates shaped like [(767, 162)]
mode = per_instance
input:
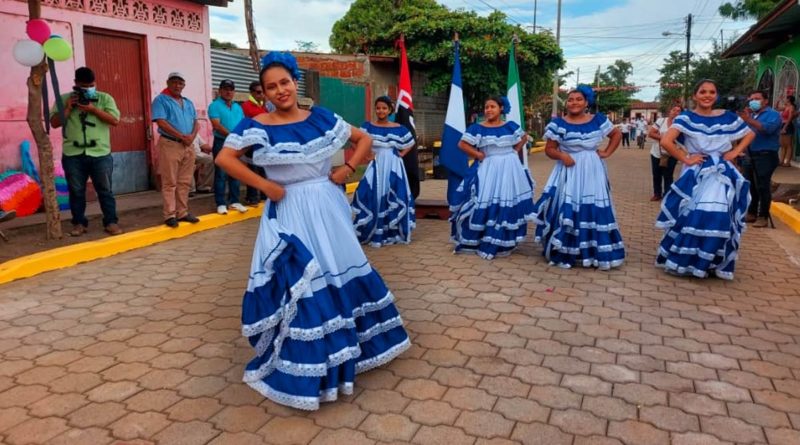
[(317, 313)]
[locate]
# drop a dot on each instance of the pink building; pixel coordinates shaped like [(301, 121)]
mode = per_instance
[(131, 45)]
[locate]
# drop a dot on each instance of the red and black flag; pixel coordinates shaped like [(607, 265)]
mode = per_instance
[(405, 116)]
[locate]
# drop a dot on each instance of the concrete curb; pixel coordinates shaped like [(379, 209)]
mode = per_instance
[(786, 213), (68, 256)]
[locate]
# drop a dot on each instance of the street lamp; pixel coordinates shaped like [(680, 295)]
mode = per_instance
[(688, 35)]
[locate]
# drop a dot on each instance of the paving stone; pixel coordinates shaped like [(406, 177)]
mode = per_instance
[(731, 429), (697, 404), (637, 433), (139, 425), (540, 434), (389, 427), (555, 397), (96, 414), (783, 436), (578, 422), (610, 408), (334, 437), (431, 412), (469, 398), (93, 436), (382, 401), (188, 433), (585, 384), (696, 439), (759, 415), (420, 389), (723, 391), (234, 419), (669, 419), (194, 409), (614, 373)]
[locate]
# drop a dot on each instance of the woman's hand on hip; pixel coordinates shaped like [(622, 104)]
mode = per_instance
[(694, 160), (567, 160)]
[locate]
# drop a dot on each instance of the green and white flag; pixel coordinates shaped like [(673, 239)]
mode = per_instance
[(514, 95)]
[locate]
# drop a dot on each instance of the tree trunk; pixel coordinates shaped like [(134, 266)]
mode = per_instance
[(251, 34), (43, 146)]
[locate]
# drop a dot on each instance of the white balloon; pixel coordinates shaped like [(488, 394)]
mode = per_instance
[(28, 52)]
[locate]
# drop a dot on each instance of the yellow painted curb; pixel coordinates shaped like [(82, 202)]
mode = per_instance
[(537, 149), (786, 213), (68, 256), (350, 188)]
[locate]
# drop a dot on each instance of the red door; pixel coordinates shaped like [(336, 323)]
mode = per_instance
[(119, 61)]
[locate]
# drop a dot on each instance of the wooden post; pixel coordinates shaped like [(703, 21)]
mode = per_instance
[(43, 145), (251, 35)]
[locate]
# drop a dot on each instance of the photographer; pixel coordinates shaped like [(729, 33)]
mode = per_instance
[(89, 115), (761, 158)]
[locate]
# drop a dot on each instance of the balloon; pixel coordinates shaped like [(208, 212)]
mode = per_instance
[(57, 49), (28, 52), (38, 30)]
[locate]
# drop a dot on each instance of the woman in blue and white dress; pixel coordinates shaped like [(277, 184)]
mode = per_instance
[(703, 214), (315, 311), (494, 202), (575, 219), (383, 205)]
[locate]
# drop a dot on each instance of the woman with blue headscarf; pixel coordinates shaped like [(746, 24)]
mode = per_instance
[(315, 311), (575, 220), (494, 202)]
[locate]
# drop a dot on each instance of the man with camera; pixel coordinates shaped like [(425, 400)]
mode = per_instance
[(761, 158), (88, 116)]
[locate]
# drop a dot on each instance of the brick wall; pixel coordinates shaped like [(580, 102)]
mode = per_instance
[(340, 67)]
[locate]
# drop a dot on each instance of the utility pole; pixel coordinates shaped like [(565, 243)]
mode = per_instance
[(535, 7), (688, 57), (252, 42), (555, 75)]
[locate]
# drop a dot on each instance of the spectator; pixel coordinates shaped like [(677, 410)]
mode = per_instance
[(641, 132), (204, 163), (788, 115), (88, 117), (661, 163), (225, 115), (762, 156), (254, 106), (625, 129), (176, 118)]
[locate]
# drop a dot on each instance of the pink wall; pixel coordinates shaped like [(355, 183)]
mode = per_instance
[(168, 49)]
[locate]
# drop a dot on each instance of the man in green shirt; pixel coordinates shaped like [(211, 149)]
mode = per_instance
[(89, 115)]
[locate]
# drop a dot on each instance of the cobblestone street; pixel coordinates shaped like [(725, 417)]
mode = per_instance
[(145, 347)]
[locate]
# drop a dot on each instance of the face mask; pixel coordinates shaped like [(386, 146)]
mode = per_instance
[(755, 105), (90, 92)]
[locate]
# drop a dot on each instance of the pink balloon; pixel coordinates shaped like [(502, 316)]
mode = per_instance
[(38, 30)]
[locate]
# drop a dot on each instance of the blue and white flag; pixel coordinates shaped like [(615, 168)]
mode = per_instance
[(451, 157)]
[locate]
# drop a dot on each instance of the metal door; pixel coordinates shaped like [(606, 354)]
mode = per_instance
[(118, 60)]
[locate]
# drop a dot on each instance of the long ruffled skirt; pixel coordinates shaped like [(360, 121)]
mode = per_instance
[(575, 219), (492, 207), (703, 219), (382, 204), (314, 310)]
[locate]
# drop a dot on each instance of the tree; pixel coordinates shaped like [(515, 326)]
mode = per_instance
[(43, 145), (734, 76), (615, 91), (373, 26), (747, 9), (306, 46), (222, 44), (673, 77)]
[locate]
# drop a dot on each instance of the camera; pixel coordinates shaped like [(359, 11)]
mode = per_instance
[(732, 102), (83, 98)]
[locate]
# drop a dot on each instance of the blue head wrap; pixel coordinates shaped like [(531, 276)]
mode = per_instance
[(587, 93), (505, 104), (285, 59)]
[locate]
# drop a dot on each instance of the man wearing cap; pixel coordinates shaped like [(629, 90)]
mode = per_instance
[(88, 116), (225, 115), (177, 123)]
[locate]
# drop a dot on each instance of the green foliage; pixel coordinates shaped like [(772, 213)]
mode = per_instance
[(615, 92), (222, 44), (373, 26), (672, 80), (747, 9), (734, 76)]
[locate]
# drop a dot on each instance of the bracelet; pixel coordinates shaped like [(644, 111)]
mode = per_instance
[(350, 167)]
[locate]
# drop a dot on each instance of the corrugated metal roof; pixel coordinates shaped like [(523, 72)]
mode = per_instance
[(239, 69)]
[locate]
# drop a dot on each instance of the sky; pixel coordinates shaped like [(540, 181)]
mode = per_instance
[(593, 32)]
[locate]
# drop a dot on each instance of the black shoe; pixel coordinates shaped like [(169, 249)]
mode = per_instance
[(251, 202), (192, 194), (171, 222), (190, 219)]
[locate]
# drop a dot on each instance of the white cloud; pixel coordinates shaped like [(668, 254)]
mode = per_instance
[(593, 33)]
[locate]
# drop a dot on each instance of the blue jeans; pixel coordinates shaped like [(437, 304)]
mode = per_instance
[(221, 178), (78, 170)]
